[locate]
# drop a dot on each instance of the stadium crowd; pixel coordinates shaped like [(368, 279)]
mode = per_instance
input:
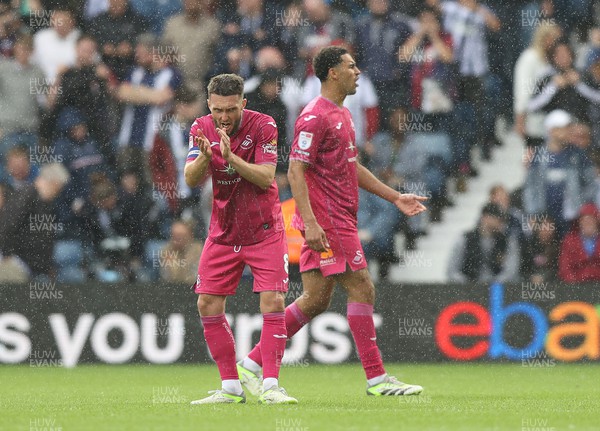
[(97, 98)]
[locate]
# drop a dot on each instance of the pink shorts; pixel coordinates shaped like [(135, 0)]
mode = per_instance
[(345, 249), (221, 266)]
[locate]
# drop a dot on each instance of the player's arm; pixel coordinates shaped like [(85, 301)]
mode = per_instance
[(195, 170), (409, 204), (313, 233), (261, 175)]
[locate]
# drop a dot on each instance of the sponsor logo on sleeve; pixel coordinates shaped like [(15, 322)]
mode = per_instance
[(305, 140), (271, 147), (309, 117)]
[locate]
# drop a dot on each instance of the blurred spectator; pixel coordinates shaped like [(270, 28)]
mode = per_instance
[(179, 258), (590, 86), (12, 268), (266, 99), (581, 136), (87, 87), (432, 78), (113, 223), (563, 88), (116, 31), (363, 105), (55, 47), (251, 24), (486, 254), (156, 12), (531, 65), (22, 93), (20, 173), (539, 251), (28, 223), (9, 28), (324, 26), (379, 36), (560, 177), (289, 90), (579, 259), (378, 221), (78, 152), (193, 35), (149, 94), (468, 22), (404, 157), (499, 196)]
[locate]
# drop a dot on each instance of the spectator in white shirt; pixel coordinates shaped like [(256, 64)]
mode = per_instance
[(531, 65), (54, 48)]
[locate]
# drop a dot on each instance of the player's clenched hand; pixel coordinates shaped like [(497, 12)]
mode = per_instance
[(315, 237), (410, 204), (203, 144), (225, 144)]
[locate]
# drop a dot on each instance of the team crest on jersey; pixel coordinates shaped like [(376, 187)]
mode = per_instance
[(247, 142), (305, 140), (229, 170)]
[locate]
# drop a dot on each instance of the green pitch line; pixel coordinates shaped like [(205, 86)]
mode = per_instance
[(548, 397)]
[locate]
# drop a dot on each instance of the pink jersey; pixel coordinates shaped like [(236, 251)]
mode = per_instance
[(242, 213), (324, 138)]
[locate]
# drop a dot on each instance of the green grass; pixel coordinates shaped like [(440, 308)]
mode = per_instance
[(456, 397)]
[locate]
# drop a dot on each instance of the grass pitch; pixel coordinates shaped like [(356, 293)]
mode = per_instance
[(456, 397)]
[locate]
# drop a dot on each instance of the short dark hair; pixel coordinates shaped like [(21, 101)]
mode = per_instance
[(327, 58), (226, 84)]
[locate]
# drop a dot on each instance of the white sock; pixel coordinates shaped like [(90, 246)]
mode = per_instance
[(376, 380), (249, 364), (232, 386), (269, 382)]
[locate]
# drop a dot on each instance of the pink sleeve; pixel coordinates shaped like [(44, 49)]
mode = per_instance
[(308, 134), (266, 150)]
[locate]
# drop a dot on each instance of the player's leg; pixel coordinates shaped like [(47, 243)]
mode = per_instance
[(315, 299), (268, 261), (219, 272), (361, 297)]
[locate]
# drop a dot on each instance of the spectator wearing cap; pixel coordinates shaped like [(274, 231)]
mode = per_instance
[(486, 254), (115, 31), (579, 259), (560, 177), (55, 47)]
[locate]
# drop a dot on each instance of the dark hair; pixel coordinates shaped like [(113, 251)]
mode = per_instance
[(226, 84), (327, 58)]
